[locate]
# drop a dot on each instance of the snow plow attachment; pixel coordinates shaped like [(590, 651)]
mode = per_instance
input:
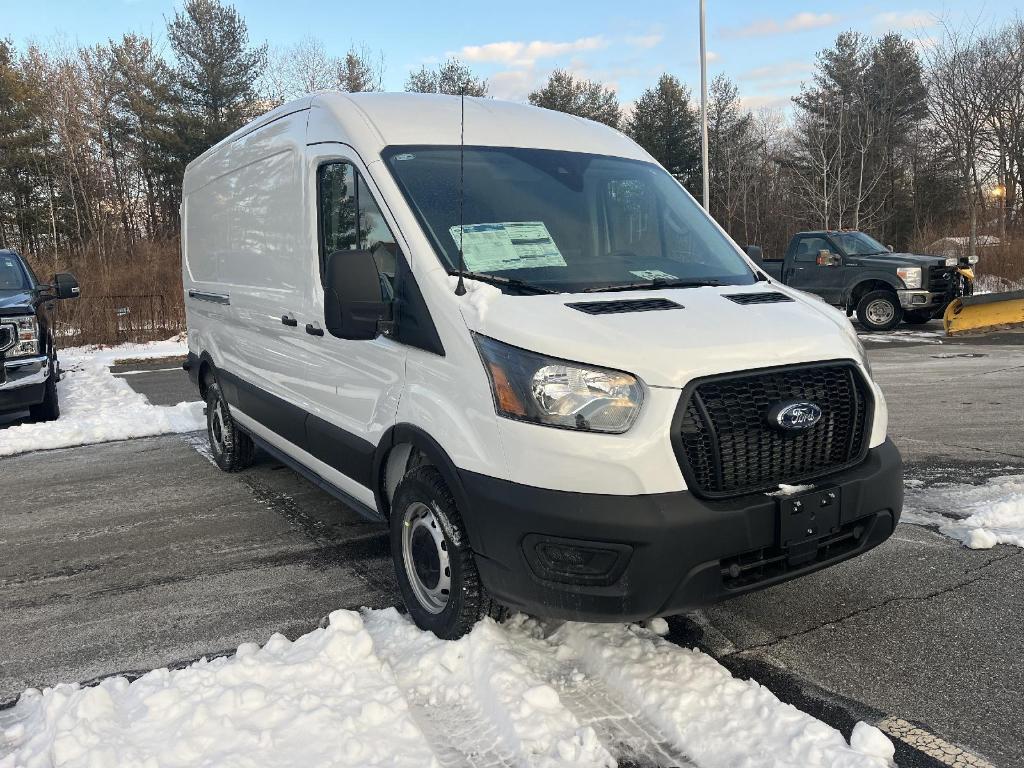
[(988, 312)]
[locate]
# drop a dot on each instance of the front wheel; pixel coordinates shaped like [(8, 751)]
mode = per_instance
[(436, 571), (49, 409), (879, 311)]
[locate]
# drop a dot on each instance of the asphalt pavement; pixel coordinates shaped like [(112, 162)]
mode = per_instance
[(133, 555)]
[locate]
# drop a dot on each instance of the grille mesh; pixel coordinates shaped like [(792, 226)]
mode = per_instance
[(624, 305), (728, 447), (940, 278), (768, 297), (6, 337)]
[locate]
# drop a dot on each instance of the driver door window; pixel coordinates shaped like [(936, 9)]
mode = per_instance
[(351, 219), (808, 247)]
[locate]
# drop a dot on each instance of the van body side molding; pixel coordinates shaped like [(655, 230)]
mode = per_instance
[(341, 450), (213, 298)]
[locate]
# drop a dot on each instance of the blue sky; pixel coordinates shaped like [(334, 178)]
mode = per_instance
[(766, 47)]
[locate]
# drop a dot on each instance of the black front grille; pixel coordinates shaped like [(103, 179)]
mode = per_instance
[(940, 278), (624, 305), (6, 337), (768, 297), (726, 446)]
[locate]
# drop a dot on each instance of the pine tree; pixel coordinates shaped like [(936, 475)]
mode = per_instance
[(665, 124), (451, 77), (576, 96)]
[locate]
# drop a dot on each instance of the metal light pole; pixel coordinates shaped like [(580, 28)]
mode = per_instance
[(704, 110)]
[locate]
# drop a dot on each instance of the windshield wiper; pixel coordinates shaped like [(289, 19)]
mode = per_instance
[(658, 282), (504, 282)]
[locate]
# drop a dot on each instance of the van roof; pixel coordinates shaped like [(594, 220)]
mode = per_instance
[(372, 121)]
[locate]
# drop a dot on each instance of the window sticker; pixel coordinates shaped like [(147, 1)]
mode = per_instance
[(653, 274), (507, 245)]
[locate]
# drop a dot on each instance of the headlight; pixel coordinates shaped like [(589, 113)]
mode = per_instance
[(557, 393), (952, 261), (972, 259), (911, 276), (26, 334)]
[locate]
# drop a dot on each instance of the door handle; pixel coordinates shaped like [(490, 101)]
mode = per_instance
[(288, 320), (314, 330)]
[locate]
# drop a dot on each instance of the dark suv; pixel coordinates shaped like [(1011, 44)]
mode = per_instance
[(28, 355)]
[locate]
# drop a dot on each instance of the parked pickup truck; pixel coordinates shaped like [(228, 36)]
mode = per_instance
[(855, 272)]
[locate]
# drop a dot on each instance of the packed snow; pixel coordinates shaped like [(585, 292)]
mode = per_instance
[(980, 516), (371, 689), (97, 407)]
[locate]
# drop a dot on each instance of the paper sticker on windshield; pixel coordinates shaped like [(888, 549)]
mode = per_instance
[(507, 245), (652, 274)]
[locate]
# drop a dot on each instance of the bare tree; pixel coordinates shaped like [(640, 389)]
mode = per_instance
[(451, 77)]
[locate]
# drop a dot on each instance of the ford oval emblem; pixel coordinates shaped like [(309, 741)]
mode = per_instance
[(794, 416)]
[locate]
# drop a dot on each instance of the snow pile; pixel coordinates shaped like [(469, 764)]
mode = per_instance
[(717, 719), (372, 689), (97, 407), (980, 516), (907, 336)]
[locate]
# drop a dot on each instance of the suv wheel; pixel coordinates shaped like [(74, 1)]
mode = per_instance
[(879, 311), (233, 450), (436, 571), (49, 409)]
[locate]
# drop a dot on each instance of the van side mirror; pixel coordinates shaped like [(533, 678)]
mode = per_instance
[(755, 253), (353, 307)]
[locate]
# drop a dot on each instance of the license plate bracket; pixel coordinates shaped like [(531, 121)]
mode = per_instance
[(807, 516)]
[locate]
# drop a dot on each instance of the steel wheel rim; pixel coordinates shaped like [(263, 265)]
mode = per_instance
[(880, 311), (425, 556), (217, 427)]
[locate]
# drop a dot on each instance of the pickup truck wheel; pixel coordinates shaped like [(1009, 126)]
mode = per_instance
[(49, 409), (879, 311), (232, 449), (917, 317), (436, 570)]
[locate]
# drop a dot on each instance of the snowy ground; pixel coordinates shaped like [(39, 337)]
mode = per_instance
[(980, 516), (97, 407), (371, 689)]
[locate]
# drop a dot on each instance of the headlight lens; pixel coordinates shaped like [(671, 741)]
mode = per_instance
[(972, 259), (557, 393), (26, 334), (911, 276), (952, 261)]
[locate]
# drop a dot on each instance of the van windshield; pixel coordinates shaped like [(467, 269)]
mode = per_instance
[(564, 221)]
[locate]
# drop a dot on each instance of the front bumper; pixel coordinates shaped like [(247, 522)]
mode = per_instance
[(660, 554), (24, 383), (922, 299)]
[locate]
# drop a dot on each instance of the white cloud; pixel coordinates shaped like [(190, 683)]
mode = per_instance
[(525, 54), (777, 71), (646, 41), (891, 20), (795, 23)]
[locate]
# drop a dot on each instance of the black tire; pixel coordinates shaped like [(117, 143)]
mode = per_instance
[(918, 316), (426, 526), (879, 310), (49, 409), (232, 449)]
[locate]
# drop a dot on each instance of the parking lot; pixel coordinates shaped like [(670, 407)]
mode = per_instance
[(138, 554)]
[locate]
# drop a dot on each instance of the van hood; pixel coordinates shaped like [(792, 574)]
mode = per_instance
[(16, 302), (709, 334)]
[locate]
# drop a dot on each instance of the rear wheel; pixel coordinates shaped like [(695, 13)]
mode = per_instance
[(917, 317), (436, 571), (879, 311), (49, 409), (233, 450)]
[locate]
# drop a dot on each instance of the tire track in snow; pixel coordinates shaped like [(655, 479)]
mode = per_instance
[(479, 705), (631, 738)]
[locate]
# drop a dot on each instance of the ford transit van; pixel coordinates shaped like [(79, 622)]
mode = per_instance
[(512, 336)]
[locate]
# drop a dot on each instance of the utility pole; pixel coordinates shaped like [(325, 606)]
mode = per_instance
[(704, 110)]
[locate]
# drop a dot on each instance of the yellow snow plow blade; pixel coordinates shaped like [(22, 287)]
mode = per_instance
[(988, 312)]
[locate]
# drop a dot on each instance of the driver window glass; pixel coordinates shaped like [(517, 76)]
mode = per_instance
[(808, 247), (351, 219)]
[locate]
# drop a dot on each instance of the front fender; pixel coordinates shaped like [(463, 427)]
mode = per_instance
[(872, 276)]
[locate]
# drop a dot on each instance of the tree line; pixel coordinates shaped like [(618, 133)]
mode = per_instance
[(907, 142)]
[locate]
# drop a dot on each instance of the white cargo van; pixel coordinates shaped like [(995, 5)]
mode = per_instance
[(593, 424)]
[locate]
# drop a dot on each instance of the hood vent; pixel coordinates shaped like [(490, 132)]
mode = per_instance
[(623, 305), (769, 297)]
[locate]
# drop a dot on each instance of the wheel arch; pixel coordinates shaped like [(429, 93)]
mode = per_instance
[(408, 434), (865, 286)]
